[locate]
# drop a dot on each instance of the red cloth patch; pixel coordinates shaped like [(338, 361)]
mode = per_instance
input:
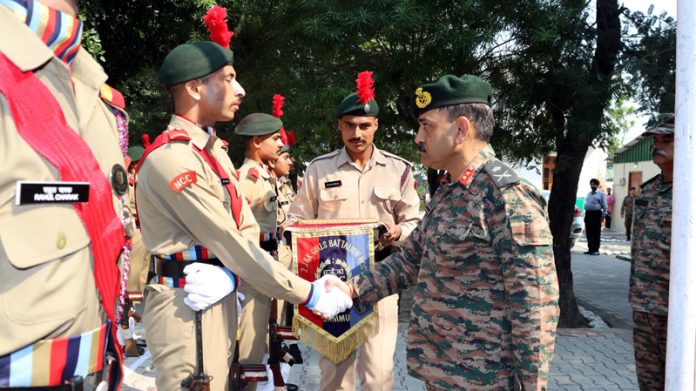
[(182, 180), (253, 173)]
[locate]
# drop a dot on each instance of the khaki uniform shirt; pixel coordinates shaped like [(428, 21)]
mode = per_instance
[(286, 195), (47, 288), (335, 188), (258, 186), (486, 295), (650, 247), (199, 214)]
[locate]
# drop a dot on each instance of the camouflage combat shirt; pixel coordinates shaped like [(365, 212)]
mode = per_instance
[(650, 248), (486, 295)]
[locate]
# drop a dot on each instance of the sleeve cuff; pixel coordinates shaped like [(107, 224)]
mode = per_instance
[(312, 299)]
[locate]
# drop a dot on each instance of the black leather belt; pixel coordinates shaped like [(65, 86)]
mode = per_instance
[(175, 269), (269, 245)]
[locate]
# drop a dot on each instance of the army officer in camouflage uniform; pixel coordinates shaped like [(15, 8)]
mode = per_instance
[(650, 252), (486, 298)]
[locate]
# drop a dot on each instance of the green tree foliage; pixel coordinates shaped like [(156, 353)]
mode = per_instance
[(552, 65)]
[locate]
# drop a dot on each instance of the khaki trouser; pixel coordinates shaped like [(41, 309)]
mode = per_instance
[(285, 259), (171, 339), (376, 362), (253, 327), (139, 264)]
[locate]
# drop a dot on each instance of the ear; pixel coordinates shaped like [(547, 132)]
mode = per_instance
[(256, 142), (464, 129), (271, 164), (376, 123), (193, 89)]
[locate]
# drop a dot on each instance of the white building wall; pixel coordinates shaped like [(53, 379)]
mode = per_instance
[(621, 186)]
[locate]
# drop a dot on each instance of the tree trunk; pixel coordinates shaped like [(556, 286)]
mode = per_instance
[(569, 160)]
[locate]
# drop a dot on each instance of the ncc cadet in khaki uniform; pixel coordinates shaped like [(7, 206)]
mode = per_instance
[(280, 169), (194, 220), (261, 133), (57, 260), (486, 296), (139, 265), (361, 181), (650, 254)]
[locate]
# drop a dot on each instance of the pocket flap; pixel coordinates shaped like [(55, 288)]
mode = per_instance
[(386, 193), (334, 194), (35, 234)]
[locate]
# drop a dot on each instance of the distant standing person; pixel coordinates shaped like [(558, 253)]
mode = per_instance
[(650, 252), (610, 208), (595, 210), (627, 211)]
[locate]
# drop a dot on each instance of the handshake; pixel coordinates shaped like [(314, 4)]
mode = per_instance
[(207, 284)]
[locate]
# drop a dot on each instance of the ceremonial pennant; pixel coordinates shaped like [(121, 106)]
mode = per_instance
[(344, 249)]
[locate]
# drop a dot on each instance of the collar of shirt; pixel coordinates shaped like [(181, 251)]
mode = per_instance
[(377, 157), (25, 49), (484, 156), (60, 32), (199, 137), (263, 170)]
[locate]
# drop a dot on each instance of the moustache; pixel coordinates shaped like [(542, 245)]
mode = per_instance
[(659, 152), (421, 147), (357, 139)]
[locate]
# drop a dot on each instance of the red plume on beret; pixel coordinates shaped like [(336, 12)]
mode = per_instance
[(277, 111), (278, 101), (365, 87), (216, 21), (291, 138), (146, 140)]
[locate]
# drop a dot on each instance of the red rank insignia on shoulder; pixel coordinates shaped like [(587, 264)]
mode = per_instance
[(182, 180), (253, 173), (466, 177)]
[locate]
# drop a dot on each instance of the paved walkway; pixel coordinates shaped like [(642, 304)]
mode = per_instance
[(586, 359)]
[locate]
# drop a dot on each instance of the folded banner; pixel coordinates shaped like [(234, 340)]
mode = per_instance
[(344, 248)]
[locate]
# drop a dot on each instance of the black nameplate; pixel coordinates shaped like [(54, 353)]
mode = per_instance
[(29, 192), (274, 198), (331, 184), (225, 181)]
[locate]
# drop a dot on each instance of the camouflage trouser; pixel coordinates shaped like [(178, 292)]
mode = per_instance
[(650, 344), (431, 387)]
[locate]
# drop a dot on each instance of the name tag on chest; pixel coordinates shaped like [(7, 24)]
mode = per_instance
[(28, 192), (331, 184)]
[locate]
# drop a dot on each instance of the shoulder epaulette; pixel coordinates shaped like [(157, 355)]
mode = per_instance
[(253, 173), (391, 155), (179, 135), (112, 96), (501, 174), (649, 181), (326, 156)]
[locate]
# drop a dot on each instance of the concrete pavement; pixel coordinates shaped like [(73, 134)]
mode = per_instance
[(594, 359)]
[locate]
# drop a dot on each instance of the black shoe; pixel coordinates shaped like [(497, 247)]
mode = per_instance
[(594, 253), (291, 387), (587, 253)]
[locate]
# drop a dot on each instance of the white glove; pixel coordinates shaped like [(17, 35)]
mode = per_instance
[(329, 303), (206, 285)]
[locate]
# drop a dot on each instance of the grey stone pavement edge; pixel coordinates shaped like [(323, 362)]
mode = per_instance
[(588, 359)]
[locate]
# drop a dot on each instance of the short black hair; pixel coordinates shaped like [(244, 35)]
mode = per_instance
[(595, 181)]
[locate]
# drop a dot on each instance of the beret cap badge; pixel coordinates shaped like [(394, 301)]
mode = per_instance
[(423, 98)]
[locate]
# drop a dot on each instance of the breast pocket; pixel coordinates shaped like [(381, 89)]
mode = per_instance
[(387, 197), (47, 265), (332, 200), (460, 245)]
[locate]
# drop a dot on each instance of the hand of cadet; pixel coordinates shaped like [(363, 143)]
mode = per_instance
[(206, 285), (329, 297), (393, 234)]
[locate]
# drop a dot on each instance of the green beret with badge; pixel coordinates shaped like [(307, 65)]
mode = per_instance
[(664, 125), (193, 60), (258, 124), (450, 90), (362, 102)]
